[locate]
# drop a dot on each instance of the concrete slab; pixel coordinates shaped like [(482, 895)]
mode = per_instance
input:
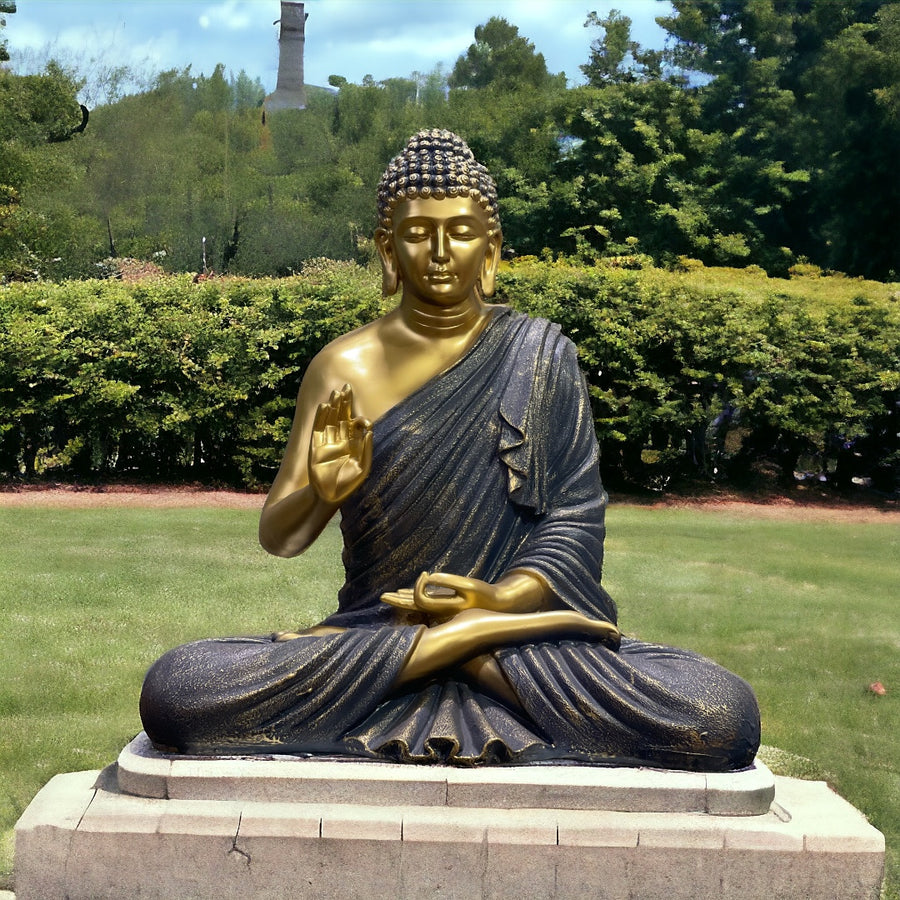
[(144, 772), (84, 837)]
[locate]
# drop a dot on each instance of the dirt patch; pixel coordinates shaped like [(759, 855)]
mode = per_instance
[(780, 508), (804, 503), (126, 495), (801, 507)]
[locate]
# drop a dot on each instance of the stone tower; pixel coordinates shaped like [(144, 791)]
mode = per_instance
[(289, 91)]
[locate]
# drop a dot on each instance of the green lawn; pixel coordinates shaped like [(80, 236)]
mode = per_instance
[(807, 611)]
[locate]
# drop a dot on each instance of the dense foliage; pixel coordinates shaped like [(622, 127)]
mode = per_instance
[(730, 375), (717, 374), (765, 136), (766, 133), (167, 378)]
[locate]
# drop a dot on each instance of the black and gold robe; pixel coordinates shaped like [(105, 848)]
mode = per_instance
[(489, 467)]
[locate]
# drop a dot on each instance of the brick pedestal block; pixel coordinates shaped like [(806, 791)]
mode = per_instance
[(289, 828)]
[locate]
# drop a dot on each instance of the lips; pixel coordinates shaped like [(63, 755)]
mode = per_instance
[(440, 277)]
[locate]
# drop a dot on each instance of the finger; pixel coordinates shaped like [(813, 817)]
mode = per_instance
[(435, 598), (442, 606), (321, 417), (420, 585), (365, 461), (395, 598), (334, 406), (457, 583), (613, 637), (346, 404), (359, 428)]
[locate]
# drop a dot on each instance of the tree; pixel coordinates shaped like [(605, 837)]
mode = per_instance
[(35, 110), (851, 134), (431, 88), (744, 50), (637, 176), (503, 59), (213, 93), (504, 102), (615, 57), (247, 92), (639, 172), (801, 94)]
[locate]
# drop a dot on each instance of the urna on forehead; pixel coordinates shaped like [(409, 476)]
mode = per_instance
[(436, 164)]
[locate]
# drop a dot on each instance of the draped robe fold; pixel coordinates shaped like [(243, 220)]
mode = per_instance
[(490, 467)]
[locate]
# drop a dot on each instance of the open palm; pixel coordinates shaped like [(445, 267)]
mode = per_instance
[(340, 449)]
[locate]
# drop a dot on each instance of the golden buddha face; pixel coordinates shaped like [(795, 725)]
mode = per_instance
[(440, 250)]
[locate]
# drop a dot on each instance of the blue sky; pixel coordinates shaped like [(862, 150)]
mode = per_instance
[(353, 38)]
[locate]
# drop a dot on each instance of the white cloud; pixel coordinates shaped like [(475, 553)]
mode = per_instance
[(233, 15), (27, 36), (403, 46)]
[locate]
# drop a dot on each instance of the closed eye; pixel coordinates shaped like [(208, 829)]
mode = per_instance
[(415, 235)]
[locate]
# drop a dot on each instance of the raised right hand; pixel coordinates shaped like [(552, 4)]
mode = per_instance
[(340, 448)]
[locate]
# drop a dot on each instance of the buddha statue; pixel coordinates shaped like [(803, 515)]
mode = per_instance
[(455, 437)]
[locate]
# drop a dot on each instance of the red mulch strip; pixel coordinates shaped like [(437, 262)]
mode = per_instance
[(773, 506)]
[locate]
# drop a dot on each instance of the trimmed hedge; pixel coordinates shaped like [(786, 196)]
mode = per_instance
[(165, 379), (714, 372), (730, 374)]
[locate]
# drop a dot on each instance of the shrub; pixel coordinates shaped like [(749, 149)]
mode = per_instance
[(724, 374), (164, 379), (717, 373)]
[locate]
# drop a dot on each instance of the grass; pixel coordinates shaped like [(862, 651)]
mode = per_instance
[(805, 610)]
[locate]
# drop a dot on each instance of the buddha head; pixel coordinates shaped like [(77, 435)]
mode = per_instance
[(437, 201)]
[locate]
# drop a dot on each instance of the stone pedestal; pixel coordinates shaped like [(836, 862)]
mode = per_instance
[(159, 826)]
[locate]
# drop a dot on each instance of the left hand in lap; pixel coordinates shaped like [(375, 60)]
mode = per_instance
[(442, 595)]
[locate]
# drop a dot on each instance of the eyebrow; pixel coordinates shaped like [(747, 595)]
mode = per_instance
[(454, 220)]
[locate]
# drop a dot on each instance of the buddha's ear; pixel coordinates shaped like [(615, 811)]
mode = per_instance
[(390, 273), (491, 264)]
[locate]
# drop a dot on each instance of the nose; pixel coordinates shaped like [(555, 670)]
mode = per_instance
[(439, 246)]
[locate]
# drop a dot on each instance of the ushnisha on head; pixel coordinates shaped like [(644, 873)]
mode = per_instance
[(436, 164)]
